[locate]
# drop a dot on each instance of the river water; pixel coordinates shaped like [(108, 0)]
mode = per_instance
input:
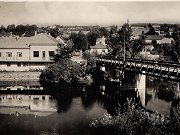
[(71, 114)]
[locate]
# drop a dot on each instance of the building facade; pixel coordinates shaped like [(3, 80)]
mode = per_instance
[(26, 53)]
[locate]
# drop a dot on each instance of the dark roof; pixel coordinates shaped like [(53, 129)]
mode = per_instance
[(98, 46), (154, 37), (24, 42)]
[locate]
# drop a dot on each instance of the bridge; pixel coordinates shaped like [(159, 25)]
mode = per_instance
[(143, 68), (168, 70)]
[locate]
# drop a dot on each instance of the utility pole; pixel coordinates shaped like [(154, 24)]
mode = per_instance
[(124, 57)]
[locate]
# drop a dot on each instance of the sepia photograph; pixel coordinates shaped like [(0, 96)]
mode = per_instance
[(101, 67)]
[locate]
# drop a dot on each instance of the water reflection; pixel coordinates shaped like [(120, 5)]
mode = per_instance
[(161, 95)]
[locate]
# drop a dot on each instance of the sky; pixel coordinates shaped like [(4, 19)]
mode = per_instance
[(88, 13)]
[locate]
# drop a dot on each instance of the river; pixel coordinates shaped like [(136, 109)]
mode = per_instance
[(71, 114)]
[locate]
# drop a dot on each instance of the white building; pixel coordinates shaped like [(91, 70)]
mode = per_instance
[(26, 53), (167, 40), (159, 39), (150, 38), (100, 47)]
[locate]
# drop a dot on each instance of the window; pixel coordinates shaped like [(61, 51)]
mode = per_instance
[(51, 53), (25, 64), (19, 54), (43, 54), (19, 64), (9, 54), (8, 64), (36, 53), (0, 54)]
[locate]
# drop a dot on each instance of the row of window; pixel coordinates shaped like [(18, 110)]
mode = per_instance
[(35, 54), (18, 64), (9, 54)]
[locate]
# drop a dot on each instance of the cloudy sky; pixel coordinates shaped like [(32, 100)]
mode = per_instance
[(88, 13)]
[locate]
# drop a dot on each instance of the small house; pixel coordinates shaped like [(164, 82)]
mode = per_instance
[(100, 47)]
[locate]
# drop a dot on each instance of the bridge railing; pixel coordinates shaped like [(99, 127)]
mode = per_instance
[(142, 61)]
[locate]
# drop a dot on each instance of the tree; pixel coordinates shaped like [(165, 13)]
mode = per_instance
[(104, 32), (11, 28), (62, 74), (92, 36), (54, 32), (64, 51), (151, 30), (73, 36), (2, 29), (114, 28), (82, 43), (79, 40), (19, 30), (117, 41)]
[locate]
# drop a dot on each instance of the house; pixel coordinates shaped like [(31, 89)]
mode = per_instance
[(100, 47), (150, 38), (27, 53), (171, 30)]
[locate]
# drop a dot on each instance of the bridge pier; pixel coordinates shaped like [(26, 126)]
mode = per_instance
[(178, 90), (141, 87)]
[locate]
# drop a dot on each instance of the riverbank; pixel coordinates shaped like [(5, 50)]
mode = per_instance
[(134, 120)]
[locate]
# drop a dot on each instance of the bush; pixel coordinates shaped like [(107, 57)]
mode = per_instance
[(174, 124), (133, 121), (52, 131), (91, 61), (63, 73)]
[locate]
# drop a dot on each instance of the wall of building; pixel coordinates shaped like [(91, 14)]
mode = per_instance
[(14, 62), (150, 41)]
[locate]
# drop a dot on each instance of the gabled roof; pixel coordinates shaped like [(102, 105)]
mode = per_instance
[(98, 46), (24, 42), (154, 37)]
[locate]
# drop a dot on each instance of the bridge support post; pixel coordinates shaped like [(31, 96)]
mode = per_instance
[(178, 90), (141, 86)]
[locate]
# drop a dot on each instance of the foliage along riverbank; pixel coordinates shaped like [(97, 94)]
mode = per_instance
[(62, 74), (65, 73), (134, 120)]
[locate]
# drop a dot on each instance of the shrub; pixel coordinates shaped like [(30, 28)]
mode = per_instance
[(133, 121), (63, 73), (52, 131)]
